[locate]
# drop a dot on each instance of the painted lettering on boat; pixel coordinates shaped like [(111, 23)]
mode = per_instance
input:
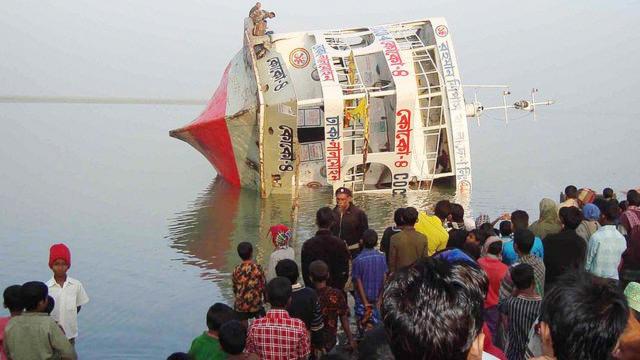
[(323, 63), (277, 73), (286, 148), (334, 148)]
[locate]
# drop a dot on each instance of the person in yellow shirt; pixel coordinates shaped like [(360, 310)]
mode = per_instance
[(432, 226)]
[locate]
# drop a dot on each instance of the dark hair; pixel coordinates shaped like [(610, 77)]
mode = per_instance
[(279, 292), (369, 238), (610, 211), (319, 271), (571, 192), (524, 240), (505, 228), (219, 314), (374, 345), (32, 293), (484, 232), (233, 337), (410, 216), (442, 209), (633, 198), (522, 276), (519, 220), (457, 238), (51, 303), (245, 250), (457, 212), (289, 269), (433, 309), (324, 217), (623, 205), (179, 356), (398, 216), (495, 248), (473, 250), (12, 298), (607, 193), (571, 217), (586, 315)]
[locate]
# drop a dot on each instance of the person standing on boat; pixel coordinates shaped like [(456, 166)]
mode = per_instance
[(350, 221)]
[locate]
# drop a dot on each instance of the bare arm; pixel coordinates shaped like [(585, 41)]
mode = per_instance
[(361, 293)]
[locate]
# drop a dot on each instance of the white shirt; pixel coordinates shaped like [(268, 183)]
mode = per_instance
[(277, 255), (67, 298)]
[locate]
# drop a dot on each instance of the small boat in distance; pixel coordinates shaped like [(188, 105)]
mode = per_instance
[(377, 108)]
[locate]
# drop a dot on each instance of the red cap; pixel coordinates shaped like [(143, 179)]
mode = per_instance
[(276, 229), (59, 251)]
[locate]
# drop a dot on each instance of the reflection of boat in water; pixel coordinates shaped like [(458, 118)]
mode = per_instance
[(376, 108), (224, 215)]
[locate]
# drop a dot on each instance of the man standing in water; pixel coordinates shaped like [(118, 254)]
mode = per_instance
[(350, 221)]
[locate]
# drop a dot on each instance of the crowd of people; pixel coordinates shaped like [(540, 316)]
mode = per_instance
[(440, 287)]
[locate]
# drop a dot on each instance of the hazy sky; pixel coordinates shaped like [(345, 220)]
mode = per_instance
[(583, 53)]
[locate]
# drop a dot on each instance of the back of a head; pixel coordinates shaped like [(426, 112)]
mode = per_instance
[(398, 216), (219, 314), (522, 276), (233, 337), (457, 238), (519, 220), (633, 198), (623, 205), (442, 209), (13, 298), (571, 192), (495, 248), (279, 292), (410, 216), (179, 356), (607, 193), (571, 217), (457, 212), (374, 345), (505, 228), (433, 309), (289, 269), (524, 240), (611, 211), (32, 293), (324, 217), (319, 271), (486, 230), (245, 250), (586, 315), (369, 238)]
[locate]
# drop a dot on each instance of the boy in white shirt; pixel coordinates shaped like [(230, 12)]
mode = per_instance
[(68, 293)]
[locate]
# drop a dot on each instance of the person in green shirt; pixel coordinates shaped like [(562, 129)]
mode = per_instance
[(207, 345), (34, 334)]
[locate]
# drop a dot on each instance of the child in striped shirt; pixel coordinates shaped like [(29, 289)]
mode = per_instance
[(521, 309)]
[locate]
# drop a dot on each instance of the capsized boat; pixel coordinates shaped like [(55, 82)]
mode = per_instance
[(377, 108)]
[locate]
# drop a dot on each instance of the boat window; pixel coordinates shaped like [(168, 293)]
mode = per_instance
[(348, 40)]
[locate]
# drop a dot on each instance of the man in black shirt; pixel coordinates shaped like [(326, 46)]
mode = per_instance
[(328, 248), (565, 251), (350, 221)]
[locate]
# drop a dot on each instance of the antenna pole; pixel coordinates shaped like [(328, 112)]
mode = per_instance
[(504, 103)]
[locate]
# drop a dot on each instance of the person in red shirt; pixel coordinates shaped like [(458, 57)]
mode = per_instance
[(491, 263), (277, 335)]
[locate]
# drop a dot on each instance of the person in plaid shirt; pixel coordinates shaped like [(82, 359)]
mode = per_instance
[(333, 305), (248, 285), (277, 336)]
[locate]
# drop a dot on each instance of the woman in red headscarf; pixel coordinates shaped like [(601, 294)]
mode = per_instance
[(280, 236)]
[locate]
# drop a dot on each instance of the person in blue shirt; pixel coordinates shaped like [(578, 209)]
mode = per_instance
[(519, 221)]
